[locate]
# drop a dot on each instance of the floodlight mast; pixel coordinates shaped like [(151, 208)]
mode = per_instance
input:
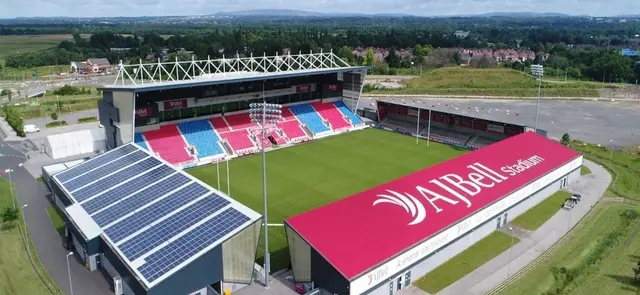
[(538, 71), (265, 113)]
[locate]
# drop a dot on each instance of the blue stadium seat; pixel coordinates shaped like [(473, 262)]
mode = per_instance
[(355, 120), (200, 134), (139, 140), (308, 116)]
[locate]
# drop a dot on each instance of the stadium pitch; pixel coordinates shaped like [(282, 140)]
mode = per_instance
[(316, 173)]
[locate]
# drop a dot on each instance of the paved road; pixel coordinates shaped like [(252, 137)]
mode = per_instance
[(591, 121), (47, 242), (70, 118), (532, 245)]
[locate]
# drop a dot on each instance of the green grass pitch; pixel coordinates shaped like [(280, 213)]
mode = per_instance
[(316, 173)]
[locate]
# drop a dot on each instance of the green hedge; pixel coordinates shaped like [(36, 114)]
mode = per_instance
[(56, 124), (87, 119), (14, 119)]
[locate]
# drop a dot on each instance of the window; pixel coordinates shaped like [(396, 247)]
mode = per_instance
[(504, 220), (391, 288), (399, 280), (499, 222), (407, 278)]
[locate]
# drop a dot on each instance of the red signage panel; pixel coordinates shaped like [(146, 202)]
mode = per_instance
[(144, 112), (303, 88), (175, 104), (332, 87)]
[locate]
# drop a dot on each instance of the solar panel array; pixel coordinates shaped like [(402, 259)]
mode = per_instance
[(150, 212)]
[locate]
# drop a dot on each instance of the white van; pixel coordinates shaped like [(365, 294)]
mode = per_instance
[(31, 129)]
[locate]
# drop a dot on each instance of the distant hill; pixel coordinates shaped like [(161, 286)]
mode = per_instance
[(523, 14), (301, 13)]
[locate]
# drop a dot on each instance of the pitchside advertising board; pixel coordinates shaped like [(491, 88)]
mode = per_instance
[(404, 221)]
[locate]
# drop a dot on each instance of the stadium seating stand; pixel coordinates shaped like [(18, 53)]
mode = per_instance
[(168, 142), (238, 139), (308, 116), (329, 112), (139, 140), (200, 134), (220, 124), (292, 129), (355, 120), (239, 121)]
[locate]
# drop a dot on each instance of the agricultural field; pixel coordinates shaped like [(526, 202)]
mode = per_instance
[(13, 44), (490, 82), (43, 106), (313, 174)]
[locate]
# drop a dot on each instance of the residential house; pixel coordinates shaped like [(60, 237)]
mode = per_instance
[(461, 34), (92, 65), (78, 67)]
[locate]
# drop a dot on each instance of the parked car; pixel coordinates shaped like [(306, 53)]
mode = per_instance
[(31, 128), (576, 197), (569, 203)]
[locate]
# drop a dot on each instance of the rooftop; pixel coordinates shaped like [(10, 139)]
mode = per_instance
[(355, 241), (157, 76), (156, 218)]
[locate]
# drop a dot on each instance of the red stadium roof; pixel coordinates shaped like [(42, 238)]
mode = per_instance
[(360, 232)]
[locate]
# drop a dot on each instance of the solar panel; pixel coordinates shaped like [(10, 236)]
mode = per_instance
[(168, 228), (139, 199), (104, 170), (115, 179), (156, 211), (185, 247), (94, 163)]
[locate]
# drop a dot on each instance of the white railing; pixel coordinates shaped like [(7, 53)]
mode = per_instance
[(225, 67)]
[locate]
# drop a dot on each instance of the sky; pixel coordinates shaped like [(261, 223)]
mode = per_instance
[(98, 8)]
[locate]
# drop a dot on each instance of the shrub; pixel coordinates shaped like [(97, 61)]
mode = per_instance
[(87, 119), (54, 116), (14, 119), (9, 214), (71, 90)]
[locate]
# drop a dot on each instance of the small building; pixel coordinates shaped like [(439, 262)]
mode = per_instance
[(99, 65), (78, 67)]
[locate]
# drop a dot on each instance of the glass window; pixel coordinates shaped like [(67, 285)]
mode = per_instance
[(205, 110), (407, 278)]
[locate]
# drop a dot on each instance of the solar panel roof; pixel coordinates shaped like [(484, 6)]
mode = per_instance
[(157, 218)]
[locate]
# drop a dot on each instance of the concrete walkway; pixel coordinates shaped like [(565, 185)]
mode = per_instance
[(532, 245), (46, 241)]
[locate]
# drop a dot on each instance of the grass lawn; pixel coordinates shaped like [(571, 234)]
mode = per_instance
[(17, 276), (611, 274), (624, 163), (313, 174), (56, 219), (43, 107), (539, 214), (490, 82), (465, 262), (584, 170)]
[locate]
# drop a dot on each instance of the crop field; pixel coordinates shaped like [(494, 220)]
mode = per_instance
[(29, 43), (313, 174), (491, 82)]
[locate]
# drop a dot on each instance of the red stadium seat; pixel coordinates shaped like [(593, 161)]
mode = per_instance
[(329, 112), (168, 142)]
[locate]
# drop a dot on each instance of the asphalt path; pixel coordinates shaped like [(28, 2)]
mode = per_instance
[(47, 242), (601, 122)]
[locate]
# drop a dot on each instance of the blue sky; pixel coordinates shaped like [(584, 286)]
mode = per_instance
[(92, 8)]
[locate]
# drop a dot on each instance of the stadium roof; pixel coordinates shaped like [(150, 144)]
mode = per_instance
[(158, 76), (360, 232), (156, 218)]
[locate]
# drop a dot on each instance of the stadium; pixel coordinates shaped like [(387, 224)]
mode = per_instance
[(152, 212)]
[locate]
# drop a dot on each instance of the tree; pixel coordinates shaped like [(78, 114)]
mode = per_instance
[(457, 58), (566, 138), (54, 116), (9, 214), (369, 58), (393, 59)]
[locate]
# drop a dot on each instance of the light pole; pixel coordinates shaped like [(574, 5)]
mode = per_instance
[(510, 254), (538, 71), (69, 271), (265, 113)]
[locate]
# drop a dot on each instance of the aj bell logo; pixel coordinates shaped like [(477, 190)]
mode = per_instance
[(458, 189)]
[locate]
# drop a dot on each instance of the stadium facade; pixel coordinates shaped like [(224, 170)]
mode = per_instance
[(381, 240), (151, 227)]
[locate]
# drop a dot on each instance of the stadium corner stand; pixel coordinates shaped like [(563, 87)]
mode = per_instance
[(380, 240)]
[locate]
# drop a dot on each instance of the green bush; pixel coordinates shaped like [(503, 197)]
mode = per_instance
[(87, 119), (55, 124), (71, 90), (14, 119)]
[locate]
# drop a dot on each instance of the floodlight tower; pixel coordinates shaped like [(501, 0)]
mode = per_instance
[(538, 71), (265, 113)]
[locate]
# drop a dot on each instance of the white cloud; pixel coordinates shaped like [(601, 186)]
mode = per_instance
[(90, 8)]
